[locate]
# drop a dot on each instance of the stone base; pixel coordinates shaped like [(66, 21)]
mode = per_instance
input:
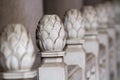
[(18, 75), (52, 71), (53, 67)]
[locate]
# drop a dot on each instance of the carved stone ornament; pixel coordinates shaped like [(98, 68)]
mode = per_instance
[(116, 8), (50, 34), (16, 49), (74, 24), (102, 15), (90, 18), (111, 14)]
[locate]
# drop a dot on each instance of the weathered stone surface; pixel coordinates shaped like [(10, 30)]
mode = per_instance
[(74, 24), (16, 48), (50, 34)]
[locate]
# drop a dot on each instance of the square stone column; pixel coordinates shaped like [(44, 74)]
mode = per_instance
[(76, 55), (91, 45), (113, 52), (53, 67), (28, 75), (104, 53)]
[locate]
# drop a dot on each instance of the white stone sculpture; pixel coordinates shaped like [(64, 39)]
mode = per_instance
[(112, 39), (103, 38), (91, 24), (16, 49), (111, 16), (116, 10), (116, 7), (102, 16), (74, 25), (51, 39), (75, 53), (50, 34), (90, 18)]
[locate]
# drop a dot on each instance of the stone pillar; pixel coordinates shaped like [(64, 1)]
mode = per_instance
[(112, 39), (51, 40), (103, 39), (60, 6), (75, 52)]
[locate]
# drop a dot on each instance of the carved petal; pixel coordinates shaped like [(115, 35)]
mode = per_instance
[(24, 39), (57, 26), (44, 35), (53, 35), (12, 63), (8, 63), (77, 25), (58, 44), (68, 25), (48, 44), (30, 47), (62, 33), (12, 39), (6, 51), (72, 33), (2, 61), (20, 51), (18, 29), (81, 33), (48, 28), (26, 62)]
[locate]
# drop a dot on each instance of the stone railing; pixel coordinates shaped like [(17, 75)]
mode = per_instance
[(82, 47)]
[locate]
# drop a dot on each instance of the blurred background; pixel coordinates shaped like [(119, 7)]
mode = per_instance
[(29, 12)]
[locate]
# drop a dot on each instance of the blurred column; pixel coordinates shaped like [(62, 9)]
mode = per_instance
[(27, 12), (60, 6)]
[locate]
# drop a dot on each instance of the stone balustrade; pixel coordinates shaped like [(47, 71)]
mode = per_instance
[(82, 47)]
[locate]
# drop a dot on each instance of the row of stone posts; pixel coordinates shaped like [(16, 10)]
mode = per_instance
[(82, 47)]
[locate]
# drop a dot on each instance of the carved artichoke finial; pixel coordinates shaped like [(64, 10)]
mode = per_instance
[(74, 24), (16, 49), (116, 8), (102, 15), (109, 8), (50, 34), (90, 17)]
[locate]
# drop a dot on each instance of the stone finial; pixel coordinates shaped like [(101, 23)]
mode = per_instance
[(50, 34), (102, 15), (74, 24), (111, 14), (90, 18), (116, 8), (16, 49)]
